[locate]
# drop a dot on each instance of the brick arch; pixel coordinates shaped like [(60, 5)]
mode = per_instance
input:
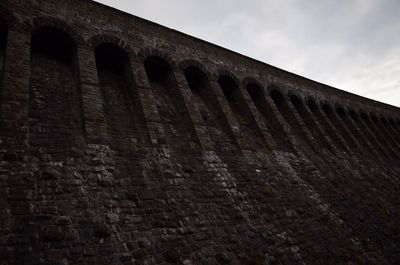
[(225, 72), (251, 80), (339, 108), (40, 22), (291, 95), (97, 40), (309, 98), (273, 86), (145, 53), (183, 65), (322, 103), (353, 111)]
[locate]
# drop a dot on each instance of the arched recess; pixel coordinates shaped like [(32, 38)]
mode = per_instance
[(170, 106), (309, 122), (3, 44), (239, 109), (209, 109), (354, 129), (326, 125), (55, 105), (296, 128), (339, 126), (363, 127), (257, 95), (389, 135), (122, 112)]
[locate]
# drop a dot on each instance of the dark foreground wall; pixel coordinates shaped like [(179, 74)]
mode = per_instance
[(124, 142)]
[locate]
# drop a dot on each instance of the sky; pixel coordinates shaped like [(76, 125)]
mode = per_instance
[(353, 45)]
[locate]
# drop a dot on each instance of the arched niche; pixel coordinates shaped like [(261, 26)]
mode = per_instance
[(230, 90), (240, 110), (117, 86), (55, 105), (3, 45), (326, 125), (309, 121), (209, 108), (170, 105), (257, 95), (289, 116)]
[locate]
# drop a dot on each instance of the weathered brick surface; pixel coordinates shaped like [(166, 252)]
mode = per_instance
[(124, 142)]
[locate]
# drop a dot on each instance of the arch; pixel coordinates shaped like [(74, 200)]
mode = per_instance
[(146, 53), (55, 104), (255, 91), (296, 101), (341, 111), (227, 74), (229, 85), (277, 96), (170, 103), (159, 69), (309, 121), (252, 81), (289, 115), (258, 96), (209, 108), (373, 117), (274, 87), (197, 79), (38, 23), (312, 105), (326, 123), (337, 123), (183, 65), (121, 110), (100, 39)]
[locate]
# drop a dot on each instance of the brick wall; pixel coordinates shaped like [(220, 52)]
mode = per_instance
[(124, 142)]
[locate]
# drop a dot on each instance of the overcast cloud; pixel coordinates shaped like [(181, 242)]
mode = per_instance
[(353, 45)]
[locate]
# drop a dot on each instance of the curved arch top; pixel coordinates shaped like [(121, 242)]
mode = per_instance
[(183, 65), (251, 80), (145, 53), (225, 72), (97, 40), (42, 22)]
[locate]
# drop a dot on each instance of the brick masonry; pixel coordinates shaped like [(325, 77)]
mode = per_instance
[(125, 142)]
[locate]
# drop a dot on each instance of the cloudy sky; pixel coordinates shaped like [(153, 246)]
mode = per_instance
[(353, 45)]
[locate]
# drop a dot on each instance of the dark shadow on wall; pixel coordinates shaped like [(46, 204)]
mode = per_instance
[(296, 128), (209, 109), (326, 125), (274, 127), (117, 84), (170, 106), (238, 106), (309, 121), (55, 105), (3, 44), (339, 127)]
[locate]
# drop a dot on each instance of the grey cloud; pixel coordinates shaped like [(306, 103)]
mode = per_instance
[(349, 44)]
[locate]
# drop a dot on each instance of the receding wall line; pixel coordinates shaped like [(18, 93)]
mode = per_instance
[(327, 126), (382, 124), (312, 125), (372, 138)]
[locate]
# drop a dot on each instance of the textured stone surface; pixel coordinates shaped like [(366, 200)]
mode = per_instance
[(124, 142)]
